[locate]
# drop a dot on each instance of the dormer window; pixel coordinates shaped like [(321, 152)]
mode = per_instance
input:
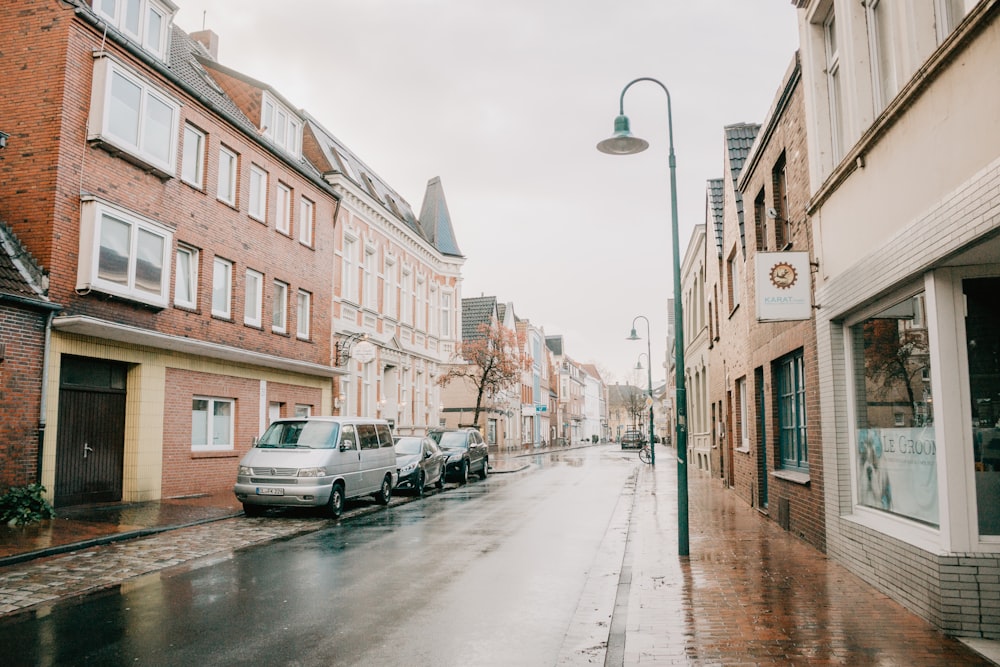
[(146, 22), (280, 125)]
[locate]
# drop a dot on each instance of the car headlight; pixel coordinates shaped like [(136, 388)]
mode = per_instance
[(245, 471), (312, 472), (408, 468)]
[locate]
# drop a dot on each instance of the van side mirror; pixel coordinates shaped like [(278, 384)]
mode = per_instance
[(254, 441)]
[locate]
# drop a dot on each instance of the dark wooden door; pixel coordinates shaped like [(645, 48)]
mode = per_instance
[(90, 444)]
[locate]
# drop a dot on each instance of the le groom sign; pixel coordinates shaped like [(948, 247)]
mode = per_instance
[(783, 286)]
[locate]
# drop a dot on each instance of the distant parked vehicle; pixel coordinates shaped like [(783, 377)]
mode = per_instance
[(633, 439), (419, 462), (467, 453), (317, 462)]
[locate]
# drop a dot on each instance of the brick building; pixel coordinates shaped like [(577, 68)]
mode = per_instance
[(24, 315), (185, 239)]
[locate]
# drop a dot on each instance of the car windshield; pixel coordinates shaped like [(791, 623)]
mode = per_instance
[(307, 434), (408, 446), (452, 440)]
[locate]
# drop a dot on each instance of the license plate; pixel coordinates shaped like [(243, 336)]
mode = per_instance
[(268, 491)]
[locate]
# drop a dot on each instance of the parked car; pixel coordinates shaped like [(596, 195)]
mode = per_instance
[(633, 439), (419, 461), (317, 462), (467, 453)]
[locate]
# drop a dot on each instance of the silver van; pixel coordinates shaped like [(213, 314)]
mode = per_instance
[(319, 462)]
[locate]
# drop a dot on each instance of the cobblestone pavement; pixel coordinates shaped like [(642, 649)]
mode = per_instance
[(26, 584)]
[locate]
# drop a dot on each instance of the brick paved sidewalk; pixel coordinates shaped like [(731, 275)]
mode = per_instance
[(753, 594)]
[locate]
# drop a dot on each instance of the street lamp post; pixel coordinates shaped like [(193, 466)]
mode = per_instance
[(623, 143), (649, 377)]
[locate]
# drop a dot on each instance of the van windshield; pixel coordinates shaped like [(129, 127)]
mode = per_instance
[(307, 434)]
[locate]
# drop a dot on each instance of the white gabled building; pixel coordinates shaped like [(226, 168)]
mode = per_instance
[(396, 318)]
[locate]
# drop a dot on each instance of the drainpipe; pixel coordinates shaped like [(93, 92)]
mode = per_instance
[(44, 402)]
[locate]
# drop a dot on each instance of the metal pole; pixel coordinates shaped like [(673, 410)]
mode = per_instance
[(680, 399)]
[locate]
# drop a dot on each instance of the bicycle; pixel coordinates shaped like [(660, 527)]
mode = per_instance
[(646, 454)]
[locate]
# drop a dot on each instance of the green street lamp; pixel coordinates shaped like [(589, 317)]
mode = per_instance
[(649, 370), (623, 143)]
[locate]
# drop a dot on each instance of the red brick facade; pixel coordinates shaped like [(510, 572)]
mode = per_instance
[(747, 353), (22, 333)]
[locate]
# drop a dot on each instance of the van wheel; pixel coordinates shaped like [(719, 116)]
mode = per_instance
[(486, 468), (336, 505), (385, 493), (253, 510)]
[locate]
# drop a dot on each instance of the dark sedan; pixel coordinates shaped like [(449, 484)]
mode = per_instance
[(419, 462), (466, 451)]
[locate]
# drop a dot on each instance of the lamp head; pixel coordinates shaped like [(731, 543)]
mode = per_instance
[(622, 142), (638, 365), (633, 335)]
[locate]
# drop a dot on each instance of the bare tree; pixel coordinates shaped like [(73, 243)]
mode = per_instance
[(492, 363)]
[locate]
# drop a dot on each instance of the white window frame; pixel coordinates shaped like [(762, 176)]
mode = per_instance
[(190, 277), (193, 157), (222, 285), (446, 310), (94, 215), (744, 408), (885, 81), (406, 297), (152, 38), (279, 306), (835, 85), (257, 206), (420, 298), (948, 14), (303, 315), (280, 124), (349, 291), (307, 219), (210, 443), (370, 291), (101, 125), (283, 209), (390, 288), (227, 185), (253, 304)]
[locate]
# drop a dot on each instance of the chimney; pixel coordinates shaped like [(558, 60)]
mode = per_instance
[(209, 40)]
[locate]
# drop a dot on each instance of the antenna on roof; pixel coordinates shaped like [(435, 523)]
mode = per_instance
[(204, 13)]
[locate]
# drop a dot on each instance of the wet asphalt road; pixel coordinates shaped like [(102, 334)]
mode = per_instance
[(487, 574)]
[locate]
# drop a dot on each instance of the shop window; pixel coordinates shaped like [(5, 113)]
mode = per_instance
[(982, 333), (895, 451), (792, 412)]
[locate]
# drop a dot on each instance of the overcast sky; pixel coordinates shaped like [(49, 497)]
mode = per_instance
[(505, 102)]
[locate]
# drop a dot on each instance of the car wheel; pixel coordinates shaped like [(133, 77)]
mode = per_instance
[(463, 473), (418, 486), (440, 482), (486, 468), (335, 507), (385, 493), (253, 510)]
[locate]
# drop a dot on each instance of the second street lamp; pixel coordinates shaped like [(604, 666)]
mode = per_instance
[(623, 143), (649, 377)]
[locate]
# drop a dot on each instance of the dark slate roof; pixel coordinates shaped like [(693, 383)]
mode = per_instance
[(501, 311), (714, 201), (476, 311), (436, 221), (555, 344), (20, 275), (739, 141)]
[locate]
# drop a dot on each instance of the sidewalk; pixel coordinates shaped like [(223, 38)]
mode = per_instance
[(751, 593)]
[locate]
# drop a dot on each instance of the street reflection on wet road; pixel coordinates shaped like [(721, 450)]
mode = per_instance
[(489, 574)]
